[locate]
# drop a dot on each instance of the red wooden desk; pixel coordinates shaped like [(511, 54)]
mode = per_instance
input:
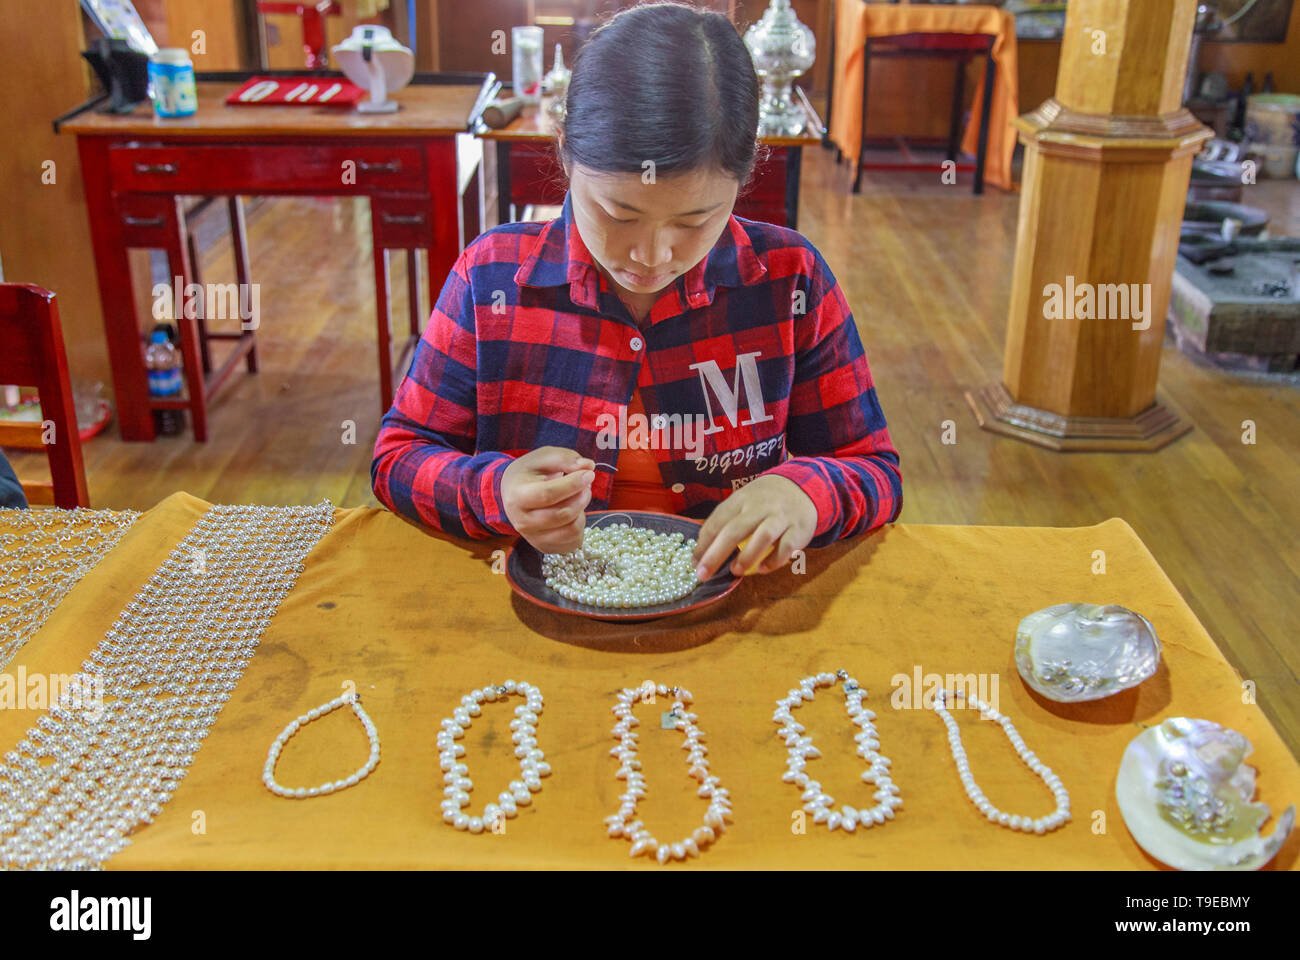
[(528, 171), (423, 182)]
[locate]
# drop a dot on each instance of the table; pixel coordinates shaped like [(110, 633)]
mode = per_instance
[(958, 47), (529, 172), (856, 21), (423, 183), (416, 634)]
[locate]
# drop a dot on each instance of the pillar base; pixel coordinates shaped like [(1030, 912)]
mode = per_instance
[(1153, 428)]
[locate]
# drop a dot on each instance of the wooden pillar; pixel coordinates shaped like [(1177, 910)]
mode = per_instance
[(1107, 162)]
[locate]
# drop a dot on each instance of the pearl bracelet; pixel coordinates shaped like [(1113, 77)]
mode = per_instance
[(800, 749), (273, 755), (1016, 822), (623, 824), (455, 774)]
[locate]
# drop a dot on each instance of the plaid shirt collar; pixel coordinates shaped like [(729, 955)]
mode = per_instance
[(559, 256)]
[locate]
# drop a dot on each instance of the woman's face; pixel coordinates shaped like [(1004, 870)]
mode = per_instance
[(645, 235)]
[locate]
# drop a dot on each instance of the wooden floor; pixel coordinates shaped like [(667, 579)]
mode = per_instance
[(926, 268)]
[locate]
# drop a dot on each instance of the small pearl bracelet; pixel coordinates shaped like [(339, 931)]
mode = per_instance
[(455, 775), (622, 823), (273, 755), (801, 749), (1044, 772)]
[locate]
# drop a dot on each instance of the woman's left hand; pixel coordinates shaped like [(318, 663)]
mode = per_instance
[(770, 509)]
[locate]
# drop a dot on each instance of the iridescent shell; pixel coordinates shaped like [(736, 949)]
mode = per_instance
[(1185, 795), (1085, 651)]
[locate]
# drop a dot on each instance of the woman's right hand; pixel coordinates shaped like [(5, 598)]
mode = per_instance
[(546, 492)]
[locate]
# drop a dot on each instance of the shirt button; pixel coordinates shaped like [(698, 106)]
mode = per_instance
[(635, 343), (678, 487)]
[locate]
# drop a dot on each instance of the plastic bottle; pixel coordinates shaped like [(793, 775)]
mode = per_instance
[(164, 365)]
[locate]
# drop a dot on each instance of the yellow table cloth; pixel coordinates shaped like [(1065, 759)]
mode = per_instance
[(855, 21), (416, 620)]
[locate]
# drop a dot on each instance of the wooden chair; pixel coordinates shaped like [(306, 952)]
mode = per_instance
[(32, 355)]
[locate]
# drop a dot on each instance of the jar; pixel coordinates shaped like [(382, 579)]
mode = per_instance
[(171, 83)]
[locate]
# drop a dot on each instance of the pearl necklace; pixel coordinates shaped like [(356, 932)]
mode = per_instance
[(622, 824), (273, 755), (801, 749), (1044, 772), (455, 776), (166, 668), (623, 566)]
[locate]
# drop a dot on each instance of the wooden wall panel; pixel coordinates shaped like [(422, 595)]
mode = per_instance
[(44, 234), (465, 37), (221, 23), (1237, 59)]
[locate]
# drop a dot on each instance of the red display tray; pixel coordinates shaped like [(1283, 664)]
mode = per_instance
[(297, 92)]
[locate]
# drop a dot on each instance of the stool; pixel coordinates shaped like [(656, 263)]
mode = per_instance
[(158, 222), (946, 46), (243, 274)]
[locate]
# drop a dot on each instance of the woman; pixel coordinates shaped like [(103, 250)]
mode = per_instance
[(526, 399)]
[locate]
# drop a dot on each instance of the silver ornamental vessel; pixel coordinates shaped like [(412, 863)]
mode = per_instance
[(782, 49)]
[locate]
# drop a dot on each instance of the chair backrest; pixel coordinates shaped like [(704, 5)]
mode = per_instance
[(32, 355)]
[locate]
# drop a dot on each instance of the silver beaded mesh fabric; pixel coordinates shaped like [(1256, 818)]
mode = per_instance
[(126, 730), (43, 555)]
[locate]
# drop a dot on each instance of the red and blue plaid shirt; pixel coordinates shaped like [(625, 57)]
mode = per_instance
[(529, 346)]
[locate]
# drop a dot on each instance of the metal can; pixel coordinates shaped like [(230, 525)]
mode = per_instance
[(171, 83)]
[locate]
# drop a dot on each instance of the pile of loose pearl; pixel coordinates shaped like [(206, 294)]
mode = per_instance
[(455, 775), (354, 701), (1053, 782), (622, 824), (801, 750), (619, 565)]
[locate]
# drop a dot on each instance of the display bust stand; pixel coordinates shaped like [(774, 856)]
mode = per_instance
[(1107, 163)]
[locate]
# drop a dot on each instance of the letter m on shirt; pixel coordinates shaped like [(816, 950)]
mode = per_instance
[(729, 396)]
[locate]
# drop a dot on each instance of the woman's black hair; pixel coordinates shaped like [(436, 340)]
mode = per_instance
[(665, 82)]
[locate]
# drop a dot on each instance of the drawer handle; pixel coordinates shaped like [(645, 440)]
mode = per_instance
[(399, 219), (168, 168), (131, 221), (388, 166)]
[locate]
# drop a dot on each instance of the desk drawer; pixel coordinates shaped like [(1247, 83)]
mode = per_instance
[(402, 222), (267, 168), (148, 221)]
